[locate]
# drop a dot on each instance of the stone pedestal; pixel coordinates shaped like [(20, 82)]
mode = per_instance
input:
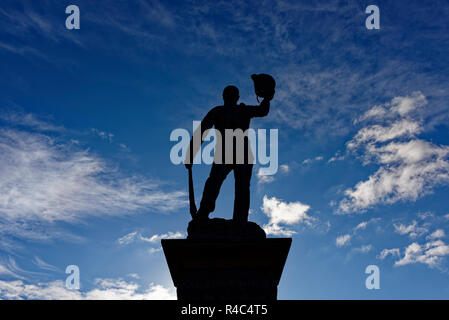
[(226, 270)]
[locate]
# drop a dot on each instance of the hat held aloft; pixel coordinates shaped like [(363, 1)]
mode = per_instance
[(264, 85)]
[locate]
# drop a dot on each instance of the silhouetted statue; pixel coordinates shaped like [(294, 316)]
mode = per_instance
[(229, 155), (227, 260)]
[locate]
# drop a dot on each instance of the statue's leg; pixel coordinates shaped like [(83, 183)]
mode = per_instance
[(212, 187), (242, 175)]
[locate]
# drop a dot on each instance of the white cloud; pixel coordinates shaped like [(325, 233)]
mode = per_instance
[(159, 237), (431, 254), (310, 160), (361, 225), (386, 252), (363, 249), (119, 289), (437, 234), (425, 215), (44, 180), (343, 240), (128, 238), (106, 289), (287, 213), (136, 236), (405, 105), (409, 167), (413, 230)]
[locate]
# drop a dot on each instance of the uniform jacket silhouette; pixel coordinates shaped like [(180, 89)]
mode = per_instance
[(228, 116)]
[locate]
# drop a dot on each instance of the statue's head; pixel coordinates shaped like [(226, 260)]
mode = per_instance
[(231, 95)]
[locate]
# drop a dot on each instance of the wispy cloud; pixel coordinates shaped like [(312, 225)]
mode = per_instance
[(431, 253), (310, 160), (263, 178), (22, 50), (158, 237), (309, 81), (128, 238), (386, 252), (343, 240), (337, 157), (29, 22), (409, 167), (361, 226), (363, 249), (155, 250), (413, 230), (44, 265), (285, 168), (9, 268), (44, 179), (103, 135), (137, 236), (364, 224), (29, 120)]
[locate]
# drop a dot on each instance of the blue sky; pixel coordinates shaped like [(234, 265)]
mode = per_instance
[(86, 116)]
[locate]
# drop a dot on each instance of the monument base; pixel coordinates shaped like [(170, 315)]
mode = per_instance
[(226, 270)]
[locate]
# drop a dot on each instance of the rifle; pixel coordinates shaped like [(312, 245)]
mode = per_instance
[(191, 194)]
